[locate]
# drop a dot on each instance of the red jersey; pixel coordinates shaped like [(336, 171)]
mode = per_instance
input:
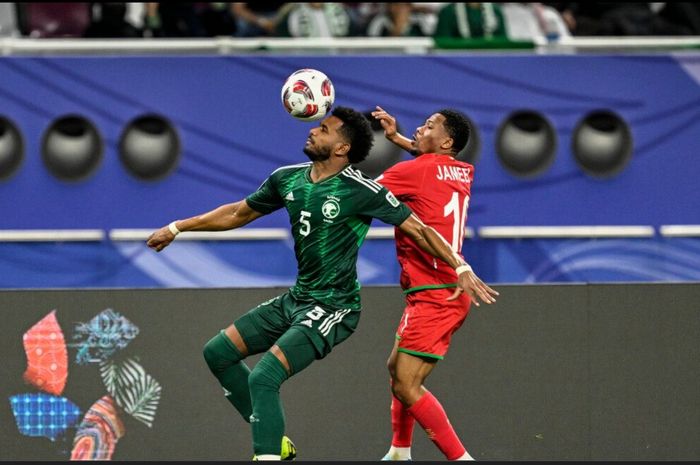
[(437, 188)]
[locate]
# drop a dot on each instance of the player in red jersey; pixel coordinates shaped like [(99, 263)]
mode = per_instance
[(437, 187)]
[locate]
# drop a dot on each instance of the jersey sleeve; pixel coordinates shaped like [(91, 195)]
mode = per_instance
[(267, 198), (386, 207), (400, 179)]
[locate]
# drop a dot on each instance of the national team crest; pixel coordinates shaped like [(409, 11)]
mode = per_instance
[(330, 209)]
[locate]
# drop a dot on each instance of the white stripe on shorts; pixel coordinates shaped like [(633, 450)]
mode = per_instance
[(404, 325), (332, 320)]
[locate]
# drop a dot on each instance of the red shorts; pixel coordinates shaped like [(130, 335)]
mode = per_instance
[(429, 321)]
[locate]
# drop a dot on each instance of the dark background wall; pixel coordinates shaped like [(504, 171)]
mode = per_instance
[(565, 372)]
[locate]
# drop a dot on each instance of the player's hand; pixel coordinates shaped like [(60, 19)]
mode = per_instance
[(387, 121), (160, 239), (470, 283)]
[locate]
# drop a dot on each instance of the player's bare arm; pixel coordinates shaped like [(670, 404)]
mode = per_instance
[(388, 123), (223, 218), (428, 239)]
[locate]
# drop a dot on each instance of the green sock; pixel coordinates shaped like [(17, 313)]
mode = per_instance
[(267, 420), (225, 362)]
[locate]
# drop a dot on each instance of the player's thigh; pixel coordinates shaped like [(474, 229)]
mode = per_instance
[(412, 369), (298, 350), (314, 333), (260, 327), (428, 323), (324, 327)]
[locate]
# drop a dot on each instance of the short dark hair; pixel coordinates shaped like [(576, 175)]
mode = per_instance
[(358, 132), (457, 127)]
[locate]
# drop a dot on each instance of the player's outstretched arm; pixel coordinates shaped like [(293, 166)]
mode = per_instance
[(223, 218), (432, 242), (388, 123)]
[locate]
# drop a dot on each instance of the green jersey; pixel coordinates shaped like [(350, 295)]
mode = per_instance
[(330, 220)]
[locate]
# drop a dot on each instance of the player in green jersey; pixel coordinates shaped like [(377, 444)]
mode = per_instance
[(330, 206)]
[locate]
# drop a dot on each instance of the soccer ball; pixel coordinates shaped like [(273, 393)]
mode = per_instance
[(308, 94)]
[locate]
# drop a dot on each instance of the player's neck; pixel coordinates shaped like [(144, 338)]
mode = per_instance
[(325, 169), (449, 154)]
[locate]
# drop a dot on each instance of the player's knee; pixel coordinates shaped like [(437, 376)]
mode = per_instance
[(268, 374), (404, 391), (211, 356), (257, 379), (398, 389), (219, 354)]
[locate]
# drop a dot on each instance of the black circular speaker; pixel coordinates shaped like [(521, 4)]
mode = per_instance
[(472, 151), (72, 148), (526, 143), (602, 144), (383, 155), (11, 148), (149, 147)]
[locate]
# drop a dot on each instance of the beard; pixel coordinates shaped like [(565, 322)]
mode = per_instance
[(317, 154)]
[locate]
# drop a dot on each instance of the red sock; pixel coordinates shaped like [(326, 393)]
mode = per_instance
[(401, 424), (432, 417)]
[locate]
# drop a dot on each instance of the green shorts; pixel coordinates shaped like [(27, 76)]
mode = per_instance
[(294, 325)]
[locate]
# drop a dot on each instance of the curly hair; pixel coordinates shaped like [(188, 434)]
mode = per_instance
[(457, 127), (357, 131)]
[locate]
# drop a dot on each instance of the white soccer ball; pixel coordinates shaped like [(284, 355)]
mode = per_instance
[(308, 94)]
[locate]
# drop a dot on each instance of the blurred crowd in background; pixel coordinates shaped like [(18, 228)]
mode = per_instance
[(550, 21)]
